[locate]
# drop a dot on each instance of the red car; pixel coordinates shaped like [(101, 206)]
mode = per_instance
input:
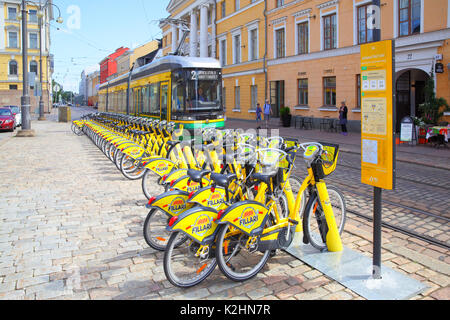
[(7, 119)]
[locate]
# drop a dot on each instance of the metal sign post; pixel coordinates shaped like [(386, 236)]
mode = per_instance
[(377, 134)]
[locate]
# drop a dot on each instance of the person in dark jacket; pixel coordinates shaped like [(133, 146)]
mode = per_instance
[(343, 116)]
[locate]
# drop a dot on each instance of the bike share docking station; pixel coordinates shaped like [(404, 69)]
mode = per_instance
[(352, 269)]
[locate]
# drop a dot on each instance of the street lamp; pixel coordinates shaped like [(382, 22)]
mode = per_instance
[(40, 14), (25, 99)]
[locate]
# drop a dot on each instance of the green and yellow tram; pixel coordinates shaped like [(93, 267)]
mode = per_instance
[(184, 90)]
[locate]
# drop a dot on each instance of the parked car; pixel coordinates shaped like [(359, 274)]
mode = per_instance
[(7, 120), (17, 112)]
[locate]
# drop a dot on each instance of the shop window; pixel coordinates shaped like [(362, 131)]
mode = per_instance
[(329, 91), (303, 92)]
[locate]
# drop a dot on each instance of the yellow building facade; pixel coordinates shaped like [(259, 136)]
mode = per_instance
[(11, 65), (314, 53), (305, 54)]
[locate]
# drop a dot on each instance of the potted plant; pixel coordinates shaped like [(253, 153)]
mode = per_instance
[(433, 108), (286, 117)]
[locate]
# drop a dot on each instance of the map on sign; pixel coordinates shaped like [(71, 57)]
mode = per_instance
[(370, 151), (374, 116)]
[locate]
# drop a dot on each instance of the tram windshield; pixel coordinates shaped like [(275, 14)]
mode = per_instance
[(196, 91)]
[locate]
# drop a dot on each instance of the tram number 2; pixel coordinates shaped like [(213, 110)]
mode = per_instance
[(194, 75)]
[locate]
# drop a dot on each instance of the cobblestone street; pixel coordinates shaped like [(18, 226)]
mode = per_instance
[(71, 228)]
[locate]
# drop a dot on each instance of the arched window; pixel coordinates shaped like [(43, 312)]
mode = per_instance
[(34, 67), (13, 68)]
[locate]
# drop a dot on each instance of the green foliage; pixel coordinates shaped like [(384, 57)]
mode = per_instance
[(433, 108), (285, 111)]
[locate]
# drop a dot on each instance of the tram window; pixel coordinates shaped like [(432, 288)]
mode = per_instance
[(178, 89), (154, 99), (146, 100)]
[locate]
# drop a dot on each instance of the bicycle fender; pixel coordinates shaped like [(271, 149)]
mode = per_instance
[(184, 184), (160, 166), (175, 175), (198, 224), (248, 216), (207, 198), (173, 203)]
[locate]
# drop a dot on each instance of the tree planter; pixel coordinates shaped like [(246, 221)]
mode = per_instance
[(286, 120)]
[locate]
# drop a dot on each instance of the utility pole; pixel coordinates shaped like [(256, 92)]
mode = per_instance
[(41, 99), (25, 99)]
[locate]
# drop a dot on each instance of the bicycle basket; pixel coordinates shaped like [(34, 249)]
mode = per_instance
[(329, 157)]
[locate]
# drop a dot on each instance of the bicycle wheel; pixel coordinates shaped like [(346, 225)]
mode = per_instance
[(130, 169), (314, 222), (184, 266), (236, 260), (155, 233)]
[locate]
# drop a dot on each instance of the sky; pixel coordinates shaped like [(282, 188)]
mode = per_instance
[(93, 29)]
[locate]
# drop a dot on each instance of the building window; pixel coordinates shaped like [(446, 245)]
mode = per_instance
[(13, 68), (329, 91), (223, 9), (12, 13), (279, 3), (303, 38), (253, 50), (409, 17), (32, 16), (303, 92), (237, 48), (237, 98), (279, 42), (365, 35), (330, 32), (223, 52), (12, 40), (34, 67), (253, 97), (358, 91), (33, 41), (236, 5), (13, 87)]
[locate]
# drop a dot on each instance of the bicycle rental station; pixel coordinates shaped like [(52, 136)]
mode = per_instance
[(232, 201)]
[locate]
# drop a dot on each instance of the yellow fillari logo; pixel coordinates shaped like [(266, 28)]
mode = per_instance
[(177, 205), (215, 200), (249, 218), (202, 225)]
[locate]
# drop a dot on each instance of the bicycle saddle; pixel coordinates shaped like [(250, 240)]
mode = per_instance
[(223, 180), (197, 175)]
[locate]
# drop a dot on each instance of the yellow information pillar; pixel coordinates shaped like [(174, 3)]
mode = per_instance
[(377, 111), (377, 132)]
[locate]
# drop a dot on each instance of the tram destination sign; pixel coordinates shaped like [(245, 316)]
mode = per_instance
[(378, 115), (205, 75)]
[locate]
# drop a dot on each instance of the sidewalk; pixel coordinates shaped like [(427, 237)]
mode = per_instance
[(72, 229), (420, 154)]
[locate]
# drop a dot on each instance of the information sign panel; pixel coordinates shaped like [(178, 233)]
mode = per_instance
[(378, 115)]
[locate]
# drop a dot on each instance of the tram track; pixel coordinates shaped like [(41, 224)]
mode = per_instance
[(347, 189), (401, 178)]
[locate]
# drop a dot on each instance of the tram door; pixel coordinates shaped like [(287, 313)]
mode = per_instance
[(164, 101)]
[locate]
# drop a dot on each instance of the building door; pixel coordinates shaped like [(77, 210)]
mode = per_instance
[(403, 95), (410, 94), (277, 97), (165, 101)]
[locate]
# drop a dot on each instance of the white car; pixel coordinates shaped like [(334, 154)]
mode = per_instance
[(17, 112)]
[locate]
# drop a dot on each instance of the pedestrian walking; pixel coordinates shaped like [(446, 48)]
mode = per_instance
[(267, 113), (258, 114), (343, 115)]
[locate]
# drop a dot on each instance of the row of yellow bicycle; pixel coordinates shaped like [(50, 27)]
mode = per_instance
[(228, 197)]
